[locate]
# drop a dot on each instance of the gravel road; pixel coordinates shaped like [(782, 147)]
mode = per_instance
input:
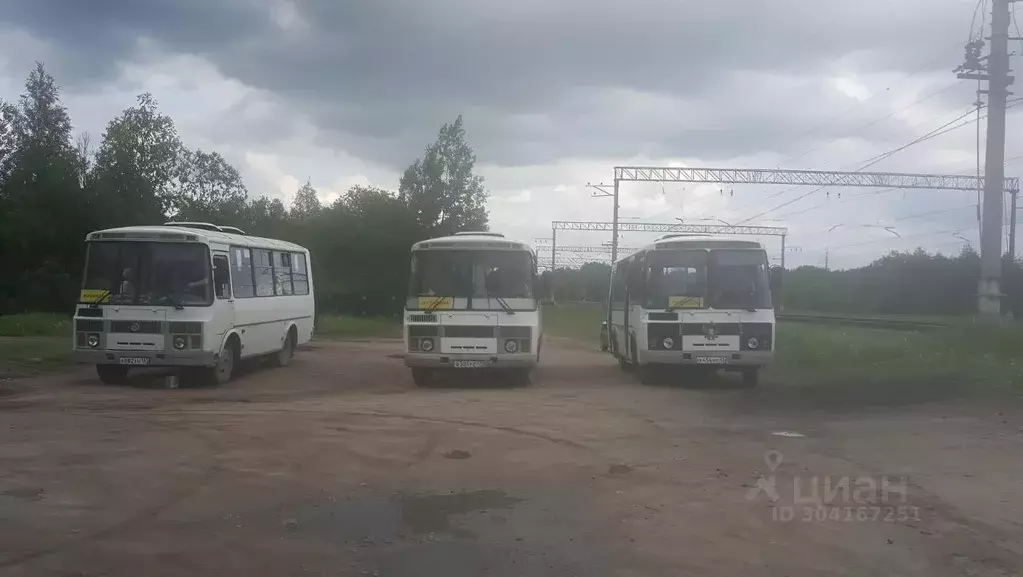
[(338, 465)]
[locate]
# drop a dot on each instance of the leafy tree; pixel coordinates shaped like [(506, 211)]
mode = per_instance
[(135, 165), (207, 188), (265, 217), (441, 187), (8, 138), (306, 203), (44, 213)]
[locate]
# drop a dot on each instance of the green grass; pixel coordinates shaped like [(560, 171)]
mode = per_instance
[(872, 365), (346, 327), (35, 325), (579, 322), (26, 355)]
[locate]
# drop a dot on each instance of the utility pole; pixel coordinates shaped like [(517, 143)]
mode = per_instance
[(1012, 230), (995, 70), (601, 191)]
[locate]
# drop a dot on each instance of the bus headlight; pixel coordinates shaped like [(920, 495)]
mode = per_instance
[(511, 346), (753, 343), (668, 342), (93, 341), (426, 345), (179, 343)]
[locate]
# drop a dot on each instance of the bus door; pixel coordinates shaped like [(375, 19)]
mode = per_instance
[(223, 303)]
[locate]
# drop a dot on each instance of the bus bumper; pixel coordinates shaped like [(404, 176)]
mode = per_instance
[(726, 359), (442, 361), (141, 359)]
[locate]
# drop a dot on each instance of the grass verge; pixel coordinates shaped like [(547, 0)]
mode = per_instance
[(868, 365), (35, 325), (27, 355), (345, 327)]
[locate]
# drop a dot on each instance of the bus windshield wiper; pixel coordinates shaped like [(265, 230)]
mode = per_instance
[(173, 301), (504, 305), (95, 302), (435, 304)]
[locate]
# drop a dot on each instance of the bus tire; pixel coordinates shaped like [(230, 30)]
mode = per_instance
[(519, 377), (751, 377), (282, 358), (423, 378), (650, 374), (112, 374), (221, 372)]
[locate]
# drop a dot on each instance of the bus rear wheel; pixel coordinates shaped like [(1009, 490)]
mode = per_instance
[(112, 374), (282, 358)]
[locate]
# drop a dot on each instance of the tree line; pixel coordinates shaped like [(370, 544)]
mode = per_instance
[(56, 186), (913, 282)]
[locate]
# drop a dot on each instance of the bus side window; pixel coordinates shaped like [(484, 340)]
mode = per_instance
[(618, 285), (221, 276), (636, 282)]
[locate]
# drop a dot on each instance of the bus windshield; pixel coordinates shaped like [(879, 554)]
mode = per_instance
[(467, 275), (147, 273), (719, 279)]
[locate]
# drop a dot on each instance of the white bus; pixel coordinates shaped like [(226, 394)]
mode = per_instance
[(190, 295), (472, 304), (692, 300)]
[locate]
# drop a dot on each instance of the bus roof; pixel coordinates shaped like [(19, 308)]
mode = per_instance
[(470, 241), (184, 233), (696, 242)]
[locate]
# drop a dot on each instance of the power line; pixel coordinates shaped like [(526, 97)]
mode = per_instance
[(890, 239), (944, 129), (870, 162), (868, 125)]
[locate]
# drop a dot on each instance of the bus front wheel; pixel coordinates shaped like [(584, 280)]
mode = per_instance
[(423, 378), (518, 377), (221, 372), (112, 374), (751, 376)]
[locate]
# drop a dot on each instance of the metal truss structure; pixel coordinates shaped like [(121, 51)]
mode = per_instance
[(670, 227), (805, 177), (550, 245), (571, 261)]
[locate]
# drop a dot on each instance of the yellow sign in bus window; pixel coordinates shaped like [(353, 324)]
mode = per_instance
[(436, 303), (93, 295), (685, 302)]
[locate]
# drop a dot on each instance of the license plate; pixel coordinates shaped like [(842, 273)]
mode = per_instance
[(469, 364), (710, 360), (134, 360)]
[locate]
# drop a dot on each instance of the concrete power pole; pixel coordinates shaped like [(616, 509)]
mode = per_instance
[(996, 72)]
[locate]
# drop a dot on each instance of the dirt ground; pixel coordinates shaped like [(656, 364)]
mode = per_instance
[(338, 465)]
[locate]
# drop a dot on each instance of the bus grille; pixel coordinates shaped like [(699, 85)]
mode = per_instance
[(88, 326), (428, 318), (468, 331), (140, 327)]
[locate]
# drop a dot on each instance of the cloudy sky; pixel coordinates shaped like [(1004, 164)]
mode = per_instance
[(554, 94)]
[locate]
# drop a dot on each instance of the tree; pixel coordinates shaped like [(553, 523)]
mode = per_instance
[(207, 188), (44, 213), (136, 164), (8, 138), (265, 217), (441, 187), (306, 203)]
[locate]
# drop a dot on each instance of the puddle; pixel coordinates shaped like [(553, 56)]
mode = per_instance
[(431, 513)]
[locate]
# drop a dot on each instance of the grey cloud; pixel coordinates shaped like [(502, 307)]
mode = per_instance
[(380, 76)]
